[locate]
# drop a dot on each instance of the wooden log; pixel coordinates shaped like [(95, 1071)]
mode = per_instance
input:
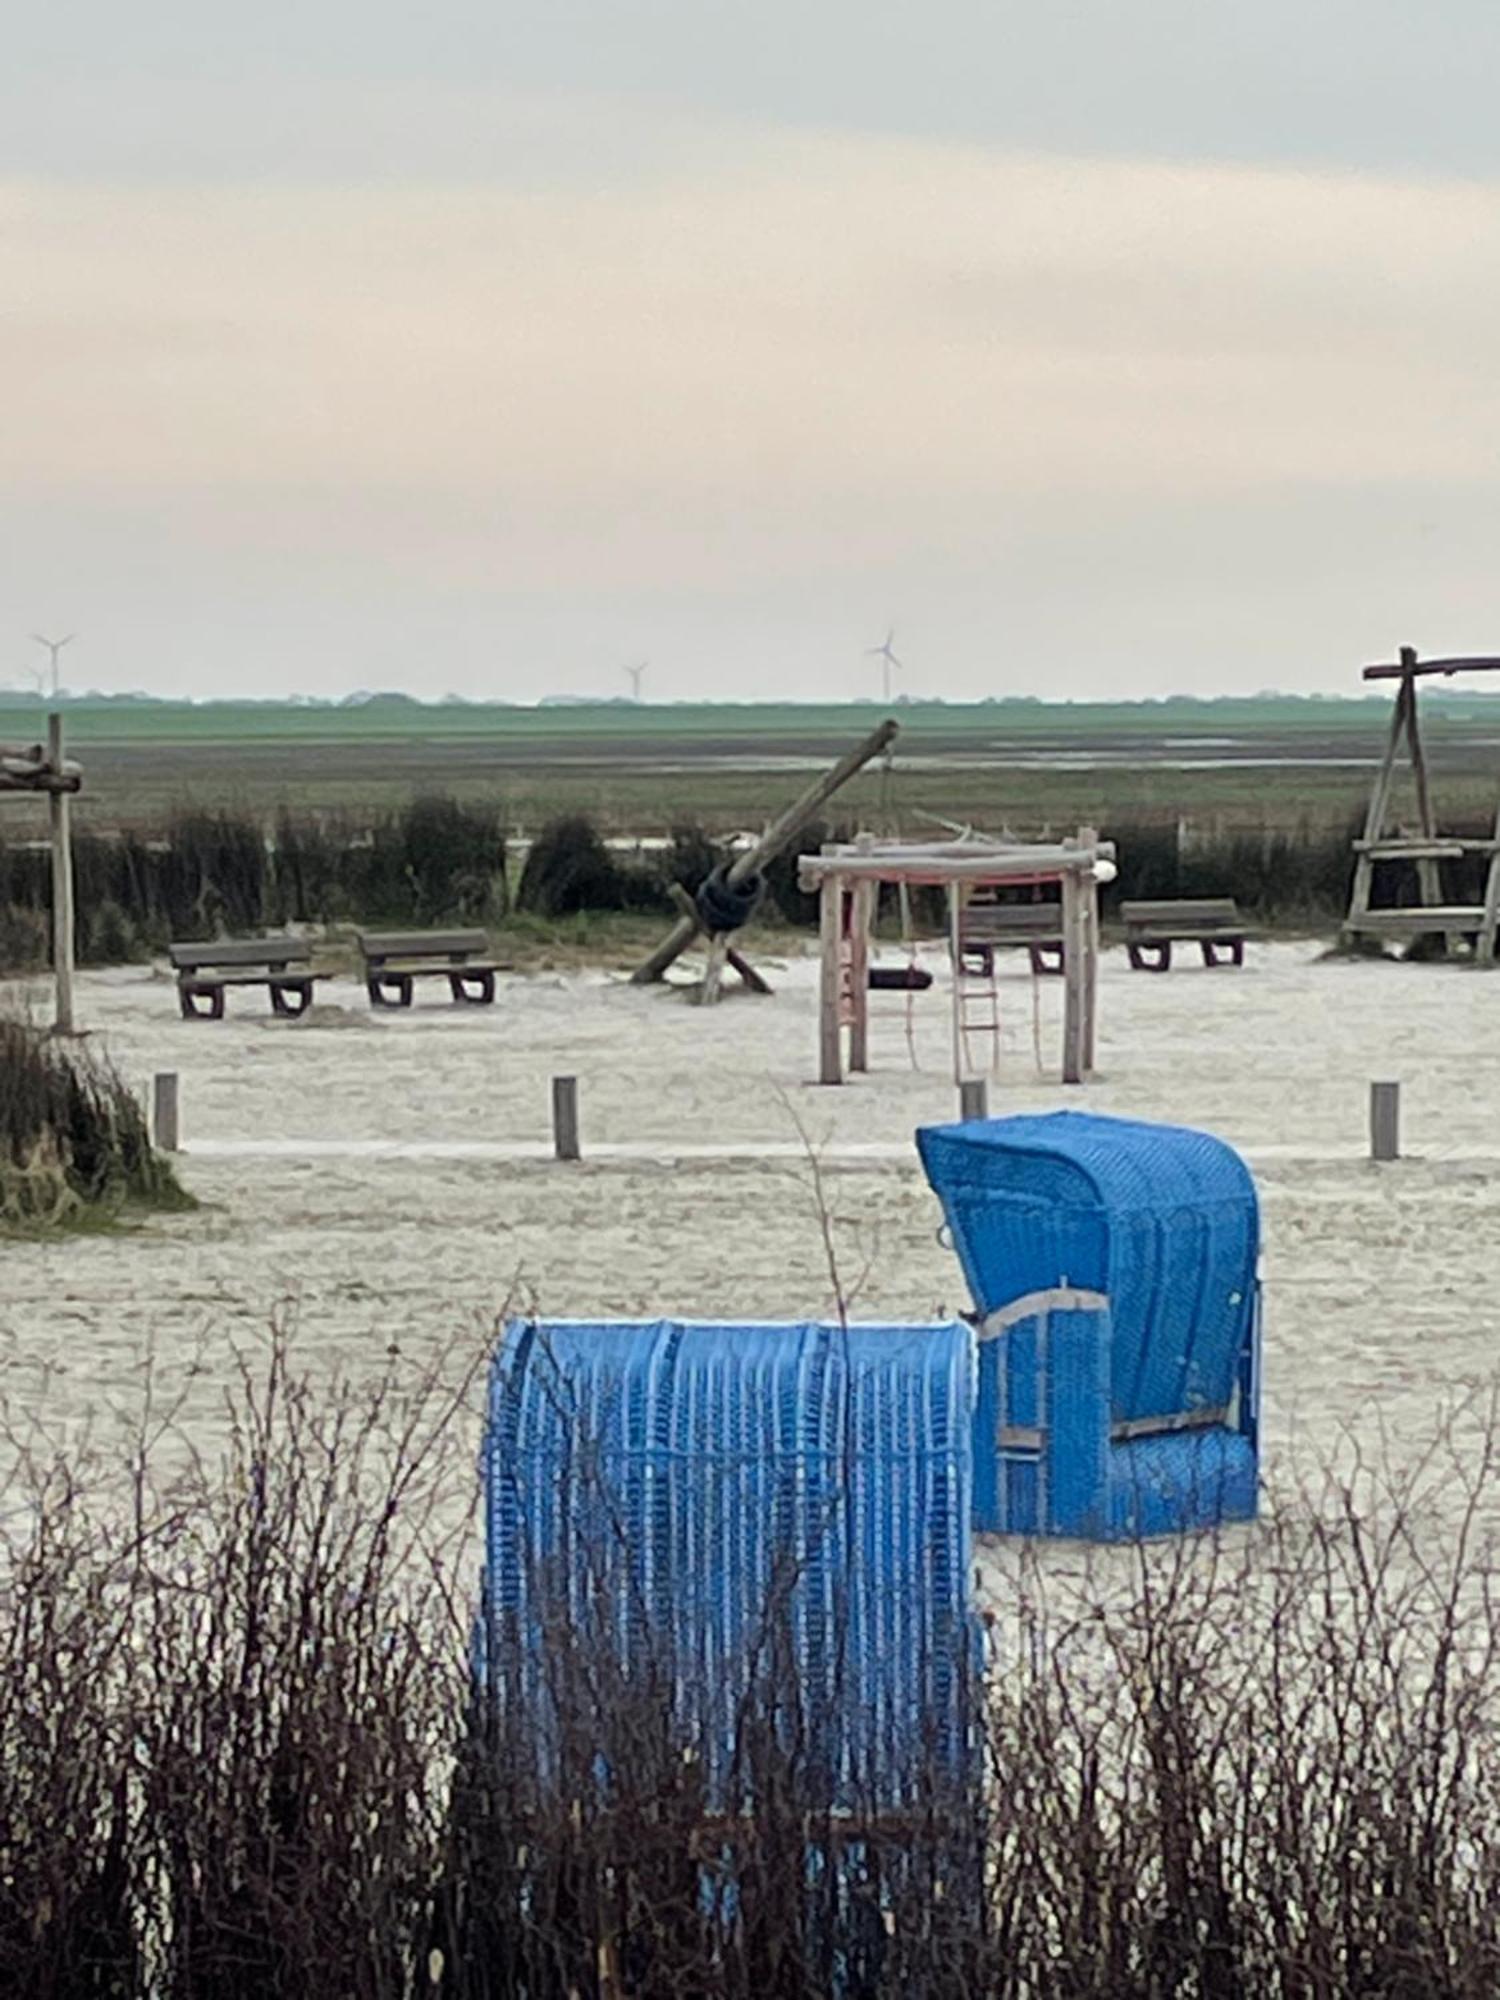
[(1478, 663), (778, 835), (1385, 1121), (1027, 864), (713, 971), (60, 814), (166, 1130), (565, 1142), (861, 916), (747, 972), (830, 941)]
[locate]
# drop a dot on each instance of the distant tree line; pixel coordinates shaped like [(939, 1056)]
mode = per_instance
[(438, 860)]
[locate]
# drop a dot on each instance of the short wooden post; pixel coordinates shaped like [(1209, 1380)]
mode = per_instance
[(713, 970), (1385, 1121), (1074, 976), (565, 1118), (973, 1099), (166, 1130), (830, 928), (61, 831)]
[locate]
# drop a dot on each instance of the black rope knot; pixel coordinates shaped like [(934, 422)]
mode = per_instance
[(722, 908)]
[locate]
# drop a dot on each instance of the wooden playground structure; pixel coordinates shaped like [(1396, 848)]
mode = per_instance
[(728, 898), (1424, 849), (848, 877), (43, 771)]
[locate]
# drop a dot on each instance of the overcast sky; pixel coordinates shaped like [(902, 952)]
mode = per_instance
[(1101, 346)]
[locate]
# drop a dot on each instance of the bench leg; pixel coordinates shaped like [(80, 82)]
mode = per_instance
[(1223, 951), (1047, 958), (978, 959), (1151, 957), (292, 1000), (389, 989), (472, 989), (212, 1009)]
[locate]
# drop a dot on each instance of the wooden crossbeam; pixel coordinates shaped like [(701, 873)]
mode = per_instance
[(1414, 669)]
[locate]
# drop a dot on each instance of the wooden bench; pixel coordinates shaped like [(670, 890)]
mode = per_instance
[(207, 969), (985, 928), (1214, 924), (394, 959)]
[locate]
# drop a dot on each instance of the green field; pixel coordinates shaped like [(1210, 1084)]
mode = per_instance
[(1268, 761)]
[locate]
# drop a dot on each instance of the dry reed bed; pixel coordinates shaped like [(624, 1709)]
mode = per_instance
[(240, 1754)]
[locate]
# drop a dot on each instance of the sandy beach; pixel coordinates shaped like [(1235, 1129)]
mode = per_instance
[(386, 1181)]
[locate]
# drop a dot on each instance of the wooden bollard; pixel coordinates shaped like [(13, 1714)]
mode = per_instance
[(1385, 1121), (973, 1098), (565, 1118), (166, 1131)]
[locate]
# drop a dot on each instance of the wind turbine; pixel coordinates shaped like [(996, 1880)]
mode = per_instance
[(887, 657), (634, 675), (54, 647)]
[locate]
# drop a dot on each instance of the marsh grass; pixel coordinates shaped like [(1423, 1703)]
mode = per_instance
[(74, 1145)]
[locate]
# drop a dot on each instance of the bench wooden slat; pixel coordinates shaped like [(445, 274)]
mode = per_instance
[(205, 954), (990, 923), (207, 979), (1192, 914), (421, 944)]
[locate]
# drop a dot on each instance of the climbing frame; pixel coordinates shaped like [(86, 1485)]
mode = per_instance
[(847, 879), (1424, 849)]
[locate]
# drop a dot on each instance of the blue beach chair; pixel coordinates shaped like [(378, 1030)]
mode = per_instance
[(711, 1509), (1113, 1265)]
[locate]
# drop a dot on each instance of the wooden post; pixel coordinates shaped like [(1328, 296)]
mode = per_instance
[(1073, 976), (1385, 1121), (830, 1031), (713, 970), (973, 1098), (60, 829), (166, 1130), (1429, 869), (861, 921), (956, 974), (565, 1118), (1088, 837), (1375, 813), (1489, 928)]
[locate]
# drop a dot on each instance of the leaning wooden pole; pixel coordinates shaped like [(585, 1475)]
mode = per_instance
[(777, 836), (61, 833)]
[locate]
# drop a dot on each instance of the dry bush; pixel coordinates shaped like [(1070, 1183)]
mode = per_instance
[(242, 1752), (73, 1138)]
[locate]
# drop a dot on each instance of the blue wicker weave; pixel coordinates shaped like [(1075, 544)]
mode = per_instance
[(1136, 1245), (728, 1508)]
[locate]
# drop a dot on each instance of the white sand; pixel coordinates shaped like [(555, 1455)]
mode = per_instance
[(369, 1182)]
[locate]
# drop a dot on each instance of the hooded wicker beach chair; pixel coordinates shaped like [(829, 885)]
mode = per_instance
[(702, 1507), (1113, 1267)]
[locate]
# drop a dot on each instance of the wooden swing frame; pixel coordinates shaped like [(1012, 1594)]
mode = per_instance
[(847, 879)]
